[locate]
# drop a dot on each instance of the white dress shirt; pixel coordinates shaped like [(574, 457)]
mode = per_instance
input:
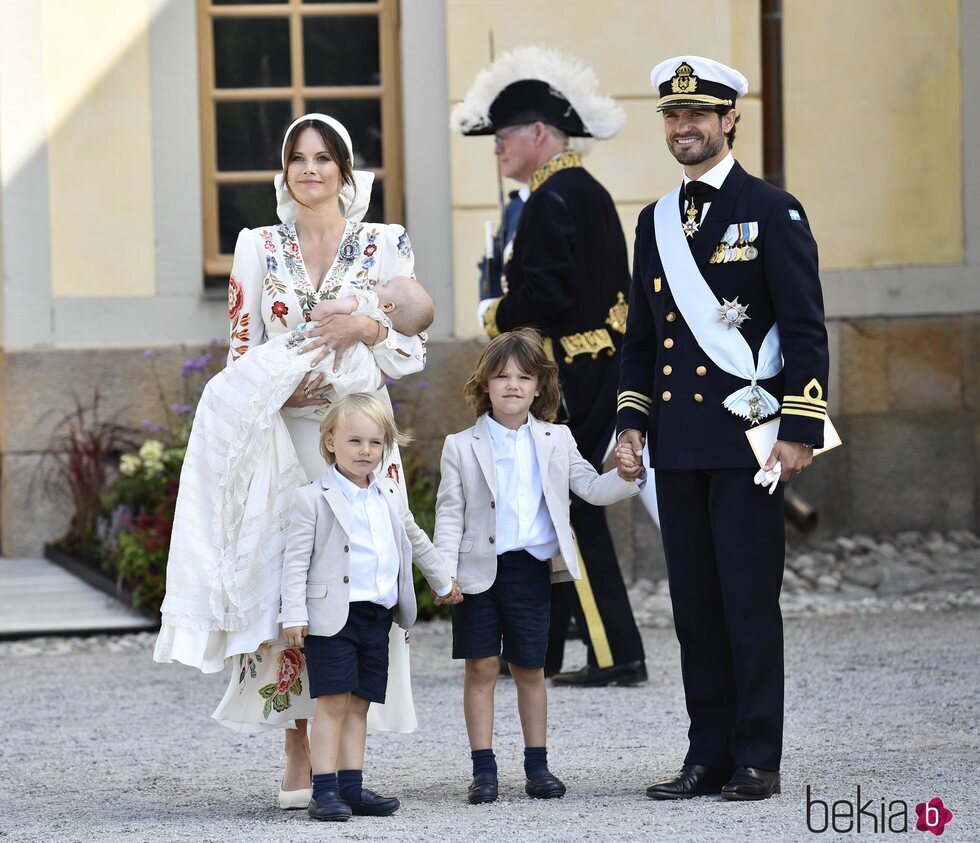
[(523, 520), (374, 561), (715, 177)]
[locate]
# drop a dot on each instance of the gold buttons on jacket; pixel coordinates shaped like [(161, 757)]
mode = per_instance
[(671, 316), (698, 397), (701, 370), (667, 370), (666, 396), (668, 343)]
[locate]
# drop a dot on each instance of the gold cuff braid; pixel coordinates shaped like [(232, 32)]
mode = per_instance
[(490, 319)]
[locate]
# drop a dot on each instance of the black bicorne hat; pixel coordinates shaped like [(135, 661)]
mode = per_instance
[(528, 101)]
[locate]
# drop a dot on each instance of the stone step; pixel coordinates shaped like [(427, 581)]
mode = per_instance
[(40, 598)]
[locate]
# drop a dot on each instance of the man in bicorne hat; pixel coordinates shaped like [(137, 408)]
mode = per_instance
[(567, 277), (725, 330)]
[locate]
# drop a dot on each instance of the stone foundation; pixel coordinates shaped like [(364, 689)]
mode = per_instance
[(905, 396)]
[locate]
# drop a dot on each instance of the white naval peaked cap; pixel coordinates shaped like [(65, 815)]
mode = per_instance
[(694, 81)]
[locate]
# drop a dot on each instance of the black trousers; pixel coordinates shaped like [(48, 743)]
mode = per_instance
[(724, 539), (607, 615)]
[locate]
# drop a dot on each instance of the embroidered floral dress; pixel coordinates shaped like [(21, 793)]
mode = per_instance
[(270, 293)]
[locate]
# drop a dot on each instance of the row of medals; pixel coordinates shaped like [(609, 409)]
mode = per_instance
[(724, 253)]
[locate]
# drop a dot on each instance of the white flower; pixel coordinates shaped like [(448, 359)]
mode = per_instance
[(129, 464), (152, 449)]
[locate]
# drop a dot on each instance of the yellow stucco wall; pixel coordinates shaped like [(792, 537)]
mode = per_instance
[(874, 128), (622, 44), (873, 125), (97, 109)]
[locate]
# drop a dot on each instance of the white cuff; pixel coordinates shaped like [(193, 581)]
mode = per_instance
[(293, 624)]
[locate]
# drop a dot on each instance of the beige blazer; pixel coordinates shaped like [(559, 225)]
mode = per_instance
[(465, 507), (316, 567)]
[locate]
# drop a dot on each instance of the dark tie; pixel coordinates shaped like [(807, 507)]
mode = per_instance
[(698, 193)]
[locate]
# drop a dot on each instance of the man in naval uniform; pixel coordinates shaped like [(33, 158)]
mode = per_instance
[(725, 330), (567, 277)]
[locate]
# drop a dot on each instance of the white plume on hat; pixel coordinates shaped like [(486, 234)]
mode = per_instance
[(573, 78)]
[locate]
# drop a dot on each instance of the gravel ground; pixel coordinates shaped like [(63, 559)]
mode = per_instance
[(109, 746)]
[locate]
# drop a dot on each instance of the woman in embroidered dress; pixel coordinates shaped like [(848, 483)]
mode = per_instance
[(321, 250)]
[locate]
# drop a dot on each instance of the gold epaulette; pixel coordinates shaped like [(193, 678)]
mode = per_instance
[(809, 404), (490, 319), (631, 400), (549, 349), (588, 342), (617, 314)]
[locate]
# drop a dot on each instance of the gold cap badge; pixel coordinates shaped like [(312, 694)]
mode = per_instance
[(684, 81)]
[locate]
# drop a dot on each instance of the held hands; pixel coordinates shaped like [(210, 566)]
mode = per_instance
[(294, 635), (455, 596), (629, 455)]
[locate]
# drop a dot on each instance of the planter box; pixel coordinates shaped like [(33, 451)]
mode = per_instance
[(91, 572)]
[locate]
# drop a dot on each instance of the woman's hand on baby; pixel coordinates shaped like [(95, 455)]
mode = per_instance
[(337, 333), (294, 635), (311, 392)]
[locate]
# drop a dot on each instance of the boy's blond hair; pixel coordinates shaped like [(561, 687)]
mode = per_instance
[(367, 405), (413, 305)]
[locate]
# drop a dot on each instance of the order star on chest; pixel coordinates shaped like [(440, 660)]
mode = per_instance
[(732, 314)]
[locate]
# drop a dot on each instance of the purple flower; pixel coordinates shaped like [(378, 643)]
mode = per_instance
[(175, 408), (145, 424), (156, 428), (423, 384), (389, 381), (213, 343), (149, 353), (396, 406)]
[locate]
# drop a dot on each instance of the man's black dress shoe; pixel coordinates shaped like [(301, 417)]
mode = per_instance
[(482, 789), (751, 783), (545, 786), (330, 807), (372, 805), (590, 676), (690, 781)]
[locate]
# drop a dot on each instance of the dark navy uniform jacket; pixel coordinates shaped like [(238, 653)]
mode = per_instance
[(669, 389), (568, 270)]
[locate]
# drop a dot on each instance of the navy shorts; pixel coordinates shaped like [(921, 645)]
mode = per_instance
[(516, 608), (355, 660)]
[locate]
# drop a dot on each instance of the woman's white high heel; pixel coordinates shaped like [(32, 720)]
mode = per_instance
[(292, 800)]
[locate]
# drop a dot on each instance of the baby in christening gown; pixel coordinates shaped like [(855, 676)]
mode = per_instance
[(239, 473), (402, 303)]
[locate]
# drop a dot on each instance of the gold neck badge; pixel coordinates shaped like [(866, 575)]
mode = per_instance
[(690, 224), (565, 161)]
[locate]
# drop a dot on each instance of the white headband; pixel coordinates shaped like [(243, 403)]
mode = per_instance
[(354, 199)]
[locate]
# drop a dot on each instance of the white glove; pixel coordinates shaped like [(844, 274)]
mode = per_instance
[(769, 478), (481, 310)]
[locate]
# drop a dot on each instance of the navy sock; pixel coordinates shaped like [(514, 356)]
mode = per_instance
[(350, 782), (484, 761), (322, 783), (535, 761)]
